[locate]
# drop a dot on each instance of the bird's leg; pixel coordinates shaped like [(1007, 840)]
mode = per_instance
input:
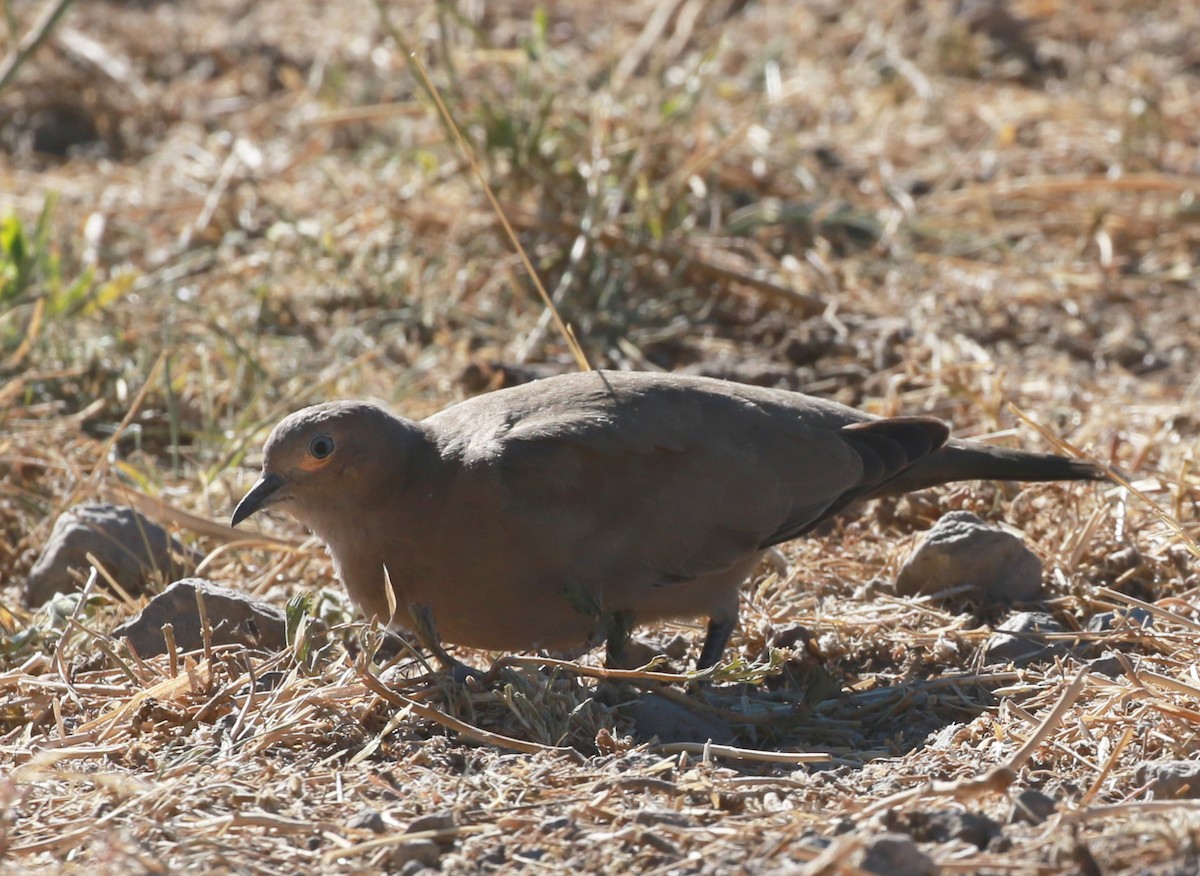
[(426, 631), (613, 627), (618, 625), (720, 628)]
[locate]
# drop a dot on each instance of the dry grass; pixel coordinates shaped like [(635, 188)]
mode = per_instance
[(255, 206)]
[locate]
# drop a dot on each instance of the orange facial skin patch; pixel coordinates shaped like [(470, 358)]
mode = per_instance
[(311, 463)]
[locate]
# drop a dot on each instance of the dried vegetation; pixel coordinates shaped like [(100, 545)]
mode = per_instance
[(215, 212)]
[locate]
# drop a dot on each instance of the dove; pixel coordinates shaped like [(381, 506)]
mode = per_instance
[(562, 513)]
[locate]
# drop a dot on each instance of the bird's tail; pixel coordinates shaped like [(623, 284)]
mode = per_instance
[(965, 461)]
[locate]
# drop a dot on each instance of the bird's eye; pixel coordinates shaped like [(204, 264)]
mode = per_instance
[(320, 447)]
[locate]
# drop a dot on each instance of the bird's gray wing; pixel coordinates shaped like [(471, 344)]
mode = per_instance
[(687, 483)]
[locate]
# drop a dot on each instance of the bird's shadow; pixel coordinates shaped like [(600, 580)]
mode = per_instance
[(795, 706), (852, 725), (812, 712)]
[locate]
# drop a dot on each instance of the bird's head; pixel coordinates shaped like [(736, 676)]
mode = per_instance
[(326, 458)]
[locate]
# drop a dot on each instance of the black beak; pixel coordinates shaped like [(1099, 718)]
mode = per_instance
[(258, 497)]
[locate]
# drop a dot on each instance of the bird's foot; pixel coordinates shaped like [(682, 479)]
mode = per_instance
[(460, 673), (468, 676), (617, 627)]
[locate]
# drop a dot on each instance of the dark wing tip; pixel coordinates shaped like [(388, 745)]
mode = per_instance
[(890, 446), (886, 449)]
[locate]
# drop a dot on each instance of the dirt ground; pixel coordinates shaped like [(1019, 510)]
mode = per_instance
[(214, 213)]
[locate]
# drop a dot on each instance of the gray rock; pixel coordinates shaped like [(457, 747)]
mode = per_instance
[(559, 822), (415, 868), (1170, 779), (895, 854), (654, 815), (434, 821), (1032, 807), (422, 852), (1022, 639), (962, 549), (1121, 619), (1107, 664), (367, 819), (657, 716), (234, 617), (129, 546), (943, 825)]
